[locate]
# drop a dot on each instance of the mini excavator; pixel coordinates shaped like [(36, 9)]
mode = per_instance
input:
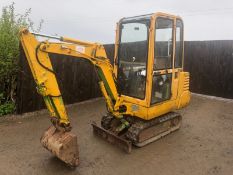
[(142, 90)]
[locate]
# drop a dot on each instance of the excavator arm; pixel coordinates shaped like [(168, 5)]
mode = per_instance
[(58, 139), (37, 54)]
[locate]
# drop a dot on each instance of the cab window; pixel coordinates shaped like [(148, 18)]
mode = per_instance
[(132, 58), (161, 82), (163, 44), (179, 44)]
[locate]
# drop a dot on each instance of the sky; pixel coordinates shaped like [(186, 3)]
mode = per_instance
[(95, 20)]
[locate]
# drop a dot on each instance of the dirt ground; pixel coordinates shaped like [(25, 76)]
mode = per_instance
[(203, 145)]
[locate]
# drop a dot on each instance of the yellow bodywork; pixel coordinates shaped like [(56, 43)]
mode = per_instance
[(37, 54)]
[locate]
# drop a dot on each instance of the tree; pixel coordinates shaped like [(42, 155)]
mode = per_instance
[(10, 24)]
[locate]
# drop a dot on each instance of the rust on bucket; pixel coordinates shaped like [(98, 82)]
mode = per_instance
[(62, 144)]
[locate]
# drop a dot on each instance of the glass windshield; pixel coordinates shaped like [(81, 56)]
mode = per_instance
[(179, 44), (163, 43), (132, 58)]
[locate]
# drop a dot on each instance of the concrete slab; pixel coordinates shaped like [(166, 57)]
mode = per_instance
[(203, 145)]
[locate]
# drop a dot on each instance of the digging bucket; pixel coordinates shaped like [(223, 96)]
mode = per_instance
[(62, 144)]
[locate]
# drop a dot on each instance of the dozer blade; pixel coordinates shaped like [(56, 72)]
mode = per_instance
[(112, 138), (62, 144)]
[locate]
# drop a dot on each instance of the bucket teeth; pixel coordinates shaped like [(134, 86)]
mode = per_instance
[(62, 144)]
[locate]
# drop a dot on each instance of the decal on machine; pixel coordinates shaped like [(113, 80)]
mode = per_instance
[(80, 49)]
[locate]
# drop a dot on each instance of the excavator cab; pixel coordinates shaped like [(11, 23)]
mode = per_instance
[(142, 89), (149, 58), (148, 64)]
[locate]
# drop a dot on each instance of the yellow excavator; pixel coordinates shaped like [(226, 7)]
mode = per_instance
[(142, 89)]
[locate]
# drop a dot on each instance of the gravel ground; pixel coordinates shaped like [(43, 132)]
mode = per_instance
[(203, 145)]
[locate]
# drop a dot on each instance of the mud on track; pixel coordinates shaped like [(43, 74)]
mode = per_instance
[(203, 145)]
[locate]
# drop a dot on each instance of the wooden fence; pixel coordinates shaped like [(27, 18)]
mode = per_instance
[(209, 63)]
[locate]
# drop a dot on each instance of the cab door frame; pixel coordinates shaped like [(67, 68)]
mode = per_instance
[(175, 71), (163, 71)]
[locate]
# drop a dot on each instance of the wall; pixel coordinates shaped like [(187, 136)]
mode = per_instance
[(210, 65)]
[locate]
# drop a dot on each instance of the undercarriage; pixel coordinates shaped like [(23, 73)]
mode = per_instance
[(139, 132)]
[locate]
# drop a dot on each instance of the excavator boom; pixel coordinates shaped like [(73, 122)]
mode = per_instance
[(58, 139)]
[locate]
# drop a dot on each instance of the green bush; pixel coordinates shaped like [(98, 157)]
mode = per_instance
[(7, 108), (10, 24)]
